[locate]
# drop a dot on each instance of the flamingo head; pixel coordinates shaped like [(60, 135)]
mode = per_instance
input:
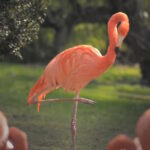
[(121, 142), (118, 28), (123, 30)]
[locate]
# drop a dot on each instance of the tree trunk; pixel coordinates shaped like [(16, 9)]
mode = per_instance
[(61, 38), (145, 67)]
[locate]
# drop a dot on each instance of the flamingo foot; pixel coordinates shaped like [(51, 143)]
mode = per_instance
[(85, 101)]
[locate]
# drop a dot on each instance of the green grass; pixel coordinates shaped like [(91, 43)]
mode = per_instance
[(120, 100)]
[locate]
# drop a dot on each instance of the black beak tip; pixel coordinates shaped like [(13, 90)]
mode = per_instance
[(117, 50)]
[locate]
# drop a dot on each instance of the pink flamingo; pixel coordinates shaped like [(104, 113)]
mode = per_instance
[(141, 142), (11, 138), (75, 67), (143, 131), (4, 130), (18, 138), (121, 142)]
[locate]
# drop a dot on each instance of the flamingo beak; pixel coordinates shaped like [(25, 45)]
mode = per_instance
[(119, 43), (120, 40)]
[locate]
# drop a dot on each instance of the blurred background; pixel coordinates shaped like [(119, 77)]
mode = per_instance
[(33, 32), (54, 25)]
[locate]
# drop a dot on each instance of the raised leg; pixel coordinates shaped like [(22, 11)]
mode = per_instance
[(81, 100), (73, 123)]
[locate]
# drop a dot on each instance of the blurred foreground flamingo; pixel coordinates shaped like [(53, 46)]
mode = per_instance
[(4, 131), (11, 138), (75, 67), (121, 142), (140, 142), (143, 131)]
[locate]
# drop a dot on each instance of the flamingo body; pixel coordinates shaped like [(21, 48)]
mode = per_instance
[(72, 70), (12, 135)]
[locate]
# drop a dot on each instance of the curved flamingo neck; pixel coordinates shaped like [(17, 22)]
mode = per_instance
[(113, 35)]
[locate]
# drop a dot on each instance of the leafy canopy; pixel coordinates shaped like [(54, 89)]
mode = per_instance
[(20, 23)]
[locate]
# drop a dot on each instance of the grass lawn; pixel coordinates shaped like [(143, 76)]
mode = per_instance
[(120, 100)]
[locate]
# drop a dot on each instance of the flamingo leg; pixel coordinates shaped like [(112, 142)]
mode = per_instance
[(81, 100), (73, 123)]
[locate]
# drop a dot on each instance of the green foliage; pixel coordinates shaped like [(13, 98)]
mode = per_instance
[(94, 3), (59, 8), (119, 103), (20, 23), (41, 49), (60, 4), (121, 74), (90, 34)]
